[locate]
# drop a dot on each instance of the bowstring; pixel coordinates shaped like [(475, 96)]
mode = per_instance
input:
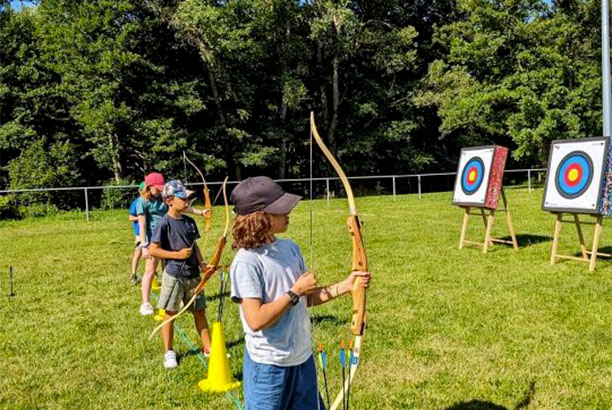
[(310, 264)]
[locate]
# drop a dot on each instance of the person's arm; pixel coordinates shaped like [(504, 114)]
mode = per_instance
[(133, 218), (325, 294), (199, 257), (158, 252), (259, 315), (142, 233), (195, 211)]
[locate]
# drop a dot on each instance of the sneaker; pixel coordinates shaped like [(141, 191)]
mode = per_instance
[(170, 359), (146, 309), (206, 353)]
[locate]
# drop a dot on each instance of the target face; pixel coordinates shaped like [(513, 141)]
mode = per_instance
[(574, 174), (473, 176), (574, 177)]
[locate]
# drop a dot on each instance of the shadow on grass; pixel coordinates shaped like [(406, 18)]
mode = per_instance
[(235, 343), (476, 405), (318, 319), (487, 405), (524, 239), (216, 296), (604, 249)]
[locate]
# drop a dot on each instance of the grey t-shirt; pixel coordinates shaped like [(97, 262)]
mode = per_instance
[(267, 273)]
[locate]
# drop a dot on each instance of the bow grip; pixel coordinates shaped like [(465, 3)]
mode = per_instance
[(359, 263)]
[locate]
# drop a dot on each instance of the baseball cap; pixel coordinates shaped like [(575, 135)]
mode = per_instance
[(262, 194), (174, 187), (155, 179)]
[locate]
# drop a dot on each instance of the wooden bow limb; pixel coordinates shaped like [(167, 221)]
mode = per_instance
[(359, 262), (211, 268), (207, 203)]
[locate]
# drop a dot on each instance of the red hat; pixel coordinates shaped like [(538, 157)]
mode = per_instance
[(155, 179)]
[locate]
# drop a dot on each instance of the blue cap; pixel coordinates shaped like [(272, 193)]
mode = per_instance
[(175, 188)]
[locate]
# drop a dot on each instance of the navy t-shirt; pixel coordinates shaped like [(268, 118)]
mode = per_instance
[(173, 235)]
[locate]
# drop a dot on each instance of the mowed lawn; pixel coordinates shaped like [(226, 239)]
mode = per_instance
[(447, 329)]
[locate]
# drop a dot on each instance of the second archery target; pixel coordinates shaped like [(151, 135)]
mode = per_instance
[(574, 181), (479, 176)]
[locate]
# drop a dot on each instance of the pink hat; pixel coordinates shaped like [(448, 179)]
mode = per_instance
[(155, 179)]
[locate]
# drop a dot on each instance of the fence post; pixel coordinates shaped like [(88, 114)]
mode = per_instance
[(528, 180), (327, 190), (419, 178), (86, 205), (393, 187)]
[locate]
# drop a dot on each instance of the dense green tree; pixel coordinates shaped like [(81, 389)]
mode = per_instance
[(99, 91)]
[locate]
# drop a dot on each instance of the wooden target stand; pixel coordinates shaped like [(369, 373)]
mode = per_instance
[(488, 222), (589, 257)]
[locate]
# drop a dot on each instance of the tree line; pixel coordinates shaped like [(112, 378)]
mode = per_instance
[(103, 91)]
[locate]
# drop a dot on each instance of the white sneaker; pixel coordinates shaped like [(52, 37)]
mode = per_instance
[(146, 309), (170, 359)]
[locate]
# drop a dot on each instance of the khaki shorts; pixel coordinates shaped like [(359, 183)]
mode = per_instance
[(174, 290)]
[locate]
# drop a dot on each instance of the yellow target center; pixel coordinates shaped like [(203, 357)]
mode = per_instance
[(572, 175), (472, 176)]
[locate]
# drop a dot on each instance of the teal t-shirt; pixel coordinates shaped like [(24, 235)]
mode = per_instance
[(154, 210)]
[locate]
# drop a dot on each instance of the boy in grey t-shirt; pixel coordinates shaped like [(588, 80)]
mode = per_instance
[(271, 283)]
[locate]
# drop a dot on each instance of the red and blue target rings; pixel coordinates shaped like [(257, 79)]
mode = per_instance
[(574, 174), (472, 175)]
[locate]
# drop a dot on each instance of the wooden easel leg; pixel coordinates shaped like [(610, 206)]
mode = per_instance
[(487, 240), (583, 247), (466, 216), (485, 221), (555, 244), (595, 249), (511, 229)]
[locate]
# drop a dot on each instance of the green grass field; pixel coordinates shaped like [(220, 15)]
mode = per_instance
[(448, 329)]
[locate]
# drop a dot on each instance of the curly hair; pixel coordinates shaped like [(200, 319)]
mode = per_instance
[(252, 230)]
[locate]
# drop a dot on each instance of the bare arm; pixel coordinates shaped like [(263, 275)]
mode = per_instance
[(158, 252), (133, 218), (261, 315), (142, 221), (199, 256), (325, 294)]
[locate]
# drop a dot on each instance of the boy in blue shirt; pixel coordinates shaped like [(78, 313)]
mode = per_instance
[(136, 229), (174, 240), (274, 288)]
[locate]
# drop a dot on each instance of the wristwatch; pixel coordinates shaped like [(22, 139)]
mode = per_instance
[(293, 298)]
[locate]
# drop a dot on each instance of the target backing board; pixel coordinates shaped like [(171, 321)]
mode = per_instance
[(575, 175), (479, 176)]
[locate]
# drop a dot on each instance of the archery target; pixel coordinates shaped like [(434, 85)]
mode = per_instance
[(473, 176), (574, 175)]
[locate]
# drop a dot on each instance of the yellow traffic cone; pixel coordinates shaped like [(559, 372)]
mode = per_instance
[(160, 315), (219, 377), (155, 285)]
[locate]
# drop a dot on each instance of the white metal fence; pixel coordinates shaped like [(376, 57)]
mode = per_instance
[(529, 173)]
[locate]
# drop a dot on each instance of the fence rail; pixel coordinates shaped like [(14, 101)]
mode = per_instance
[(393, 178)]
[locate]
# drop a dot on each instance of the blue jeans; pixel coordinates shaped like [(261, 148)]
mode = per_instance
[(270, 387)]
